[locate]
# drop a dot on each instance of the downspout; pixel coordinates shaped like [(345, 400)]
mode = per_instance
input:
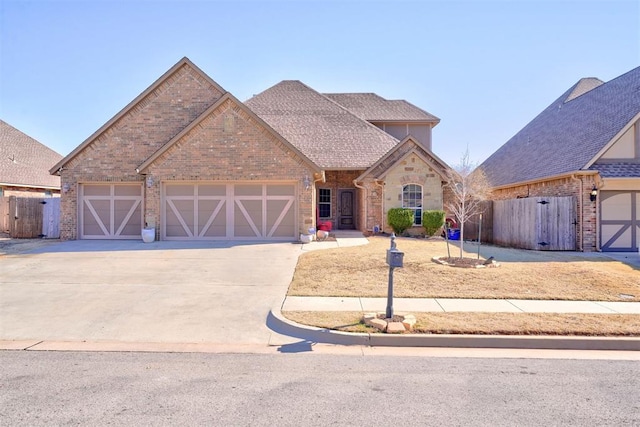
[(580, 247), (380, 183), (355, 183)]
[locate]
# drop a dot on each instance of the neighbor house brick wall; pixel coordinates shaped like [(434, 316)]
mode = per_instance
[(578, 187), (114, 155)]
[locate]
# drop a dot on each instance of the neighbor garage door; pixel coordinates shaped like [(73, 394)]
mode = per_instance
[(226, 211), (619, 220), (110, 211)]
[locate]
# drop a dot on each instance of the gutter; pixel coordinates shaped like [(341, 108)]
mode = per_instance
[(547, 178)]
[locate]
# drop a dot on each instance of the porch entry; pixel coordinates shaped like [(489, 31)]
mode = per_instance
[(346, 209)]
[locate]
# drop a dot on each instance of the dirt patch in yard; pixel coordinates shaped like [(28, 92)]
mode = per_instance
[(361, 271), (9, 246)]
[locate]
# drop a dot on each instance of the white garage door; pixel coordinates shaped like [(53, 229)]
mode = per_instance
[(225, 211), (619, 220), (110, 211)]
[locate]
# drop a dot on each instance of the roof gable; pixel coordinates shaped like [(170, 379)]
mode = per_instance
[(25, 161), (327, 133), (183, 70), (374, 108), (397, 154), (227, 98), (569, 133)]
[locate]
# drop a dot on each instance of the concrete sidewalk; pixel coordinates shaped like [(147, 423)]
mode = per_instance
[(442, 305)]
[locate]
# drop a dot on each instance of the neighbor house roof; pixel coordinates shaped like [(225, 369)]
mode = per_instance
[(328, 134), (374, 108), (24, 161), (568, 135)]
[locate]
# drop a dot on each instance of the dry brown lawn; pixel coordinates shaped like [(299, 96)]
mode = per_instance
[(487, 323), (361, 271)]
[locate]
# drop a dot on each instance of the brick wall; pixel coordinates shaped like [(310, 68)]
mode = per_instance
[(229, 145), (336, 180)]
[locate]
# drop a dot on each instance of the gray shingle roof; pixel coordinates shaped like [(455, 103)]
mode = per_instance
[(25, 161), (569, 133), (328, 134), (617, 170), (373, 108)]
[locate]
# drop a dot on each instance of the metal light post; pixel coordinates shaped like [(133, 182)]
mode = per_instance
[(394, 259)]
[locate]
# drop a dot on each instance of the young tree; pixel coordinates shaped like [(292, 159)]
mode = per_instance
[(468, 187)]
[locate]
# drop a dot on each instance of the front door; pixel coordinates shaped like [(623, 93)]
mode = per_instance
[(346, 210)]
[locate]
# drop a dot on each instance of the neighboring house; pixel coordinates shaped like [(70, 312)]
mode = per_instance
[(25, 164), (587, 141), (189, 159)]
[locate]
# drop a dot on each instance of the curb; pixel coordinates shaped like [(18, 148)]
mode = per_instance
[(280, 324)]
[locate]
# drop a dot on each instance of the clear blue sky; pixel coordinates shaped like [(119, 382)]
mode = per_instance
[(485, 68)]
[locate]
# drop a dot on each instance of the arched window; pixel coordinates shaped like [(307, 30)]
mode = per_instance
[(412, 199)]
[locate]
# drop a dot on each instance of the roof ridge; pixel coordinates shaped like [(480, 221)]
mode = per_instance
[(354, 115)]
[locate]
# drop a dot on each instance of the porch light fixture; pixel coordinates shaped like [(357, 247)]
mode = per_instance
[(594, 194), (149, 182), (307, 182), (66, 187)]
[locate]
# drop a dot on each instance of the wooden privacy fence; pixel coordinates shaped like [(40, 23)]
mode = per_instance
[(27, 217), (472, 226), (541, 223)]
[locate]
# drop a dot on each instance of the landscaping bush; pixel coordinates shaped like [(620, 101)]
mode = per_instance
[(432, 221), (399, 219)]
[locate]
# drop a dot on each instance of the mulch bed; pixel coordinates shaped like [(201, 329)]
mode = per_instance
[(465, 262)]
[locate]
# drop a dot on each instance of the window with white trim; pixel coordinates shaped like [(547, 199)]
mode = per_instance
[(324, 202), (412, 199)]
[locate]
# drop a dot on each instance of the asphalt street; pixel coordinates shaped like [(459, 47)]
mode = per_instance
[(93, 388)]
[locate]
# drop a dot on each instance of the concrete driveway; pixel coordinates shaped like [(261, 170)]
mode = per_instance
[(161, 292)]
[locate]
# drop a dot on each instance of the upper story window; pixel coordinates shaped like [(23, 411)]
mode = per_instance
[(324, 202), (412, 199)]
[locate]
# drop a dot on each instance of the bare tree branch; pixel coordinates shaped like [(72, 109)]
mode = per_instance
[(469, 187)]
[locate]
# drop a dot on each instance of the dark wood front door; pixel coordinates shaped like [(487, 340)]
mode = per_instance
[(346, 210)]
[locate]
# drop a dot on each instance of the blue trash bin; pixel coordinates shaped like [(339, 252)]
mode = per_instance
[(453, 234)]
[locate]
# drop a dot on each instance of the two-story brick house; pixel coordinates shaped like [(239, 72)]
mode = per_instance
[(189, 159)]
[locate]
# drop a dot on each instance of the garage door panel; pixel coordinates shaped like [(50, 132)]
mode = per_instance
[(617, 207), (248, 218), (616, 237), (95, 214), (128, 217), (180, 218), (110, 211), (132, 191), (229, 211), (248, 190), (281, 190), (280, 215), (619, 220), (212, 190), (97, 190), (211, 218)]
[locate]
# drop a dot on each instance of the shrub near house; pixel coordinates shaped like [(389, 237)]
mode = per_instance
[(432, 221), (400, 219)]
